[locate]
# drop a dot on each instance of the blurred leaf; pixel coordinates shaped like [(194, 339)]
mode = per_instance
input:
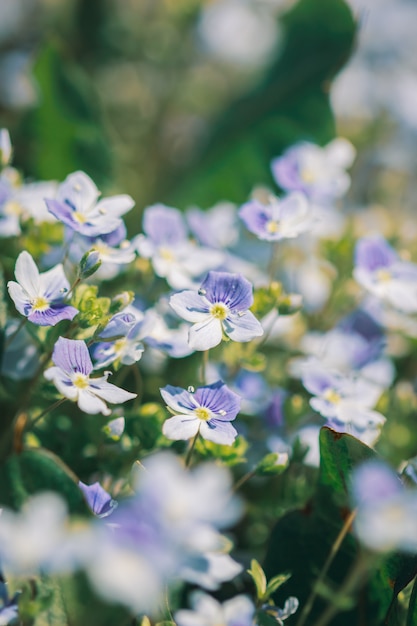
[(276, 582), (34, 471), (291, 104), (3, 314), (258, 577), (412, 607)]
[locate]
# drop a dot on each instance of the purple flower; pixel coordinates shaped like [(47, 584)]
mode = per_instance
[(220, 306), (317, 172), (78, 207), (71, 376), (40, 297), (99, 501), (208, 411), (379, 269), (279, 219)]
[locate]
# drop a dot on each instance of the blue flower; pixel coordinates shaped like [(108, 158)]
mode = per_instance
[(220, 306), (208, 411), (239, 611), (71, 376), (380, 270), (40, 297), (99, 501), (78, 207)]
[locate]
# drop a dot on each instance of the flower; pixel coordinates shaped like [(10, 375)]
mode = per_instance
[(5, 147), (317, 172), (279, 219), (78, 207), (220, 306), (379, 269), (208, 411), (207, 611), (71, 376), (99, 501), (40, 297)]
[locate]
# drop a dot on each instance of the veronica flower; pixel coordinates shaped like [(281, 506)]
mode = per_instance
[(5, 147), (99, 501), (130, 328), (217, 227), (379, 269), (279, 219), (40, 297), (9, 211), (220, 306), (207, 611), (174, 256), (71, 376), (78, 207), (386, 516), (318, 172), (208, 411)]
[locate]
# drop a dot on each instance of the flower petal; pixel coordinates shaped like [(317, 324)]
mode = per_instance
[(27, 274), (231, 289), (181, 427), (190, 306), (89, 403), (218, 432), (205, 335), (72, 355), (178, 399), (243, 327)]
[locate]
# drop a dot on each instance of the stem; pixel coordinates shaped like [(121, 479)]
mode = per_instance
[(333, 551), (50, 408), (204, 366), (13, 335), (191, 449), (244, 479), (353, 581), (73, 286), (272, 261)]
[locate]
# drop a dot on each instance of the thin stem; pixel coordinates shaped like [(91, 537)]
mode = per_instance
[(13, 335), (50, 408), (272, 261), (244, 479), (333, 551), (73, 286), (204, 364), (191, 449)]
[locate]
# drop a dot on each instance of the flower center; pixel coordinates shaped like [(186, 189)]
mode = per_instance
[(39, 304), (383, 276), (202, 413), (332, 396), (166, 254), (79, 217), (272, 226), (219, 311), (12, 208), (80, 381), (119, 345), (307, 175)]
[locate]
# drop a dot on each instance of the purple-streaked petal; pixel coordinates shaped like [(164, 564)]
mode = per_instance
[(218, 432), (164, 225), (54, 283), (181, 427), (190, 306), (63, 212), (72, 355), (99, 501), (219, 399), (178, 399), (119, 325), (373, 253), (231, 289), (27, 274), (243, 327), (79, 190), (53, 315), (89, 403), (255, 216), (62, 382), (205, 335)]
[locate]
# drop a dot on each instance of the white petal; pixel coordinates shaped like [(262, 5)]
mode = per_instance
[(181, 427), (27, 274), (90, 403), (205, 335)]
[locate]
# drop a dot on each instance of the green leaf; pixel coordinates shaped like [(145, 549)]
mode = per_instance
[(412, 607), (34, 471), (275, 583), (3, 314), (259, 578), (272, 463)]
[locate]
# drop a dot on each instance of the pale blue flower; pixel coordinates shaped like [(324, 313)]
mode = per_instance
[(40, 297), (99, 501), (5, 147), (215, 228), (239, 611), (379, 269), (278, 219), (71, 376), (208, 411), (220, 306), (77, 205), (318, 172), (280, 615)]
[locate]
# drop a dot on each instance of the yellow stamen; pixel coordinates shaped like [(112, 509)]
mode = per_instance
[(80, 381), (272, 226), (383, 276), (307, 176), (79, 217), (39, 304), (166, 254), (332, 396), (12, 208), (219, 311), (202, 413)]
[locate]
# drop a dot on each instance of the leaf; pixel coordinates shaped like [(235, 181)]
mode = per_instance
[(412, 607), (276, 582), (34, 471), (258, 577), (3, 314)]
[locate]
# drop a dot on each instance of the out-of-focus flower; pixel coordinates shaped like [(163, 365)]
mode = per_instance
[(99, 501), (115, 428), (207, 611), (379, 269), (279, 219), (174, 256), (280, 615), (386, 514), (207, 411), (5, 147), (220, 306), (215, 228), (128, 329), (21, 355), (78, 207), (71, 376), (318, 172), (40, 297)]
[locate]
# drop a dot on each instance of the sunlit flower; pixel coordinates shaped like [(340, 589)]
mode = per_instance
[(40, 297), (71, 376)]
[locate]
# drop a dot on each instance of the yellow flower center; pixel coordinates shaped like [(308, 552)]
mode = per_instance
[(332, 396), (80, 381), (119, 344), (272, 226), (79, 217), (307, 175), (202, 413), (383, 276), (12, 208), (219, 311), (39, 304), (166, 254)]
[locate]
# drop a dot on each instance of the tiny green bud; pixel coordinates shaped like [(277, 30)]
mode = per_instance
[(89, 264)]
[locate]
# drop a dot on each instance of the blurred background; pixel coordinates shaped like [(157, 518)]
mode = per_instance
[(187, 101)]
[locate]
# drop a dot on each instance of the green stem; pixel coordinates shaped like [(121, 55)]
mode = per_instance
[(272, 261), (204, 364), (244, 479), (191, 449), (334, 550), (50, 408)]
